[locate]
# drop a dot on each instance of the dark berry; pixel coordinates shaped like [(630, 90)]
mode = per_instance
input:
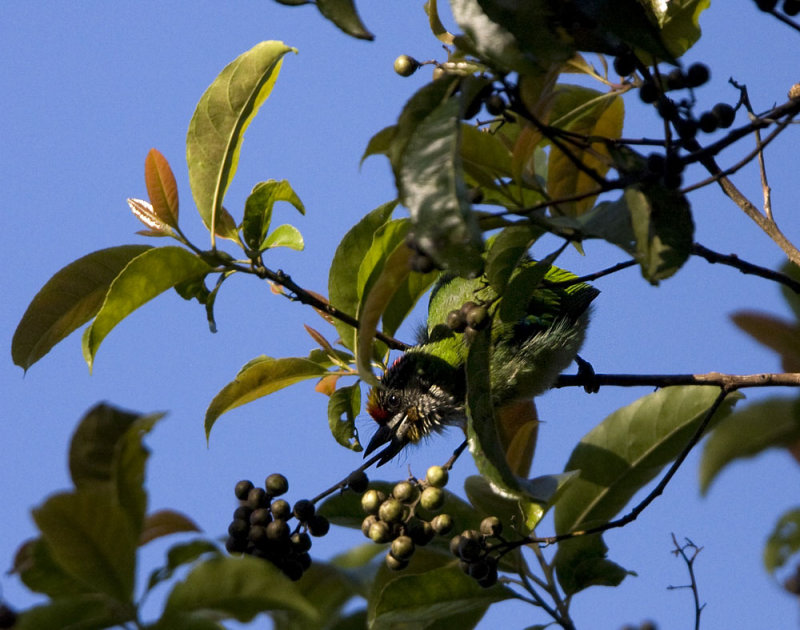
[(697, 75), (708, 122), (234, 545), (625, 64), (675, 80), (475, 195), (456, 321), (686, 128), (766, 5), (281, 509), (305, 560), (655, 163), (725, 114), (278, 530), (469, 549), (238, 528), (242, 512), (303, 510), (477, 317), (673, 181), (490, 579), (301, 542), (455, 543), (242, 489), (358, 481), (256, 498), (478, 570), (258, 535), (495, 105), (318, 525), (261, 516), (421, 532), (7, 616), (666, 108), (673, 163), (292, 569), (791, 7), (276, 484), (648, 92)]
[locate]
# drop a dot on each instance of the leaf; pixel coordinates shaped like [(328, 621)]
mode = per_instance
[(628, 449), (84, 612), (166, 522), (220, 119), (38, 571), (436, 594), (770, 423), (590, 113), (506, 251), (144, 277), (343, 287), (581, 562), (663, 228), (405, 298), (285, 236), (611, 221), (775, 333), (161, 187), (792, 297), (680, 26), (143, 210), (490, 503), (345, 401), (784, 541), (67, 301), (258, 210), (235, 588), (180, 555), (438, 29), (344, 15), (259, 378), (91, 537), (431, 185), (380, 143)]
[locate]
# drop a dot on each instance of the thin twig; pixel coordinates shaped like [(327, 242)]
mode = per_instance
[(714, 379), (732, 260), (681, 550)]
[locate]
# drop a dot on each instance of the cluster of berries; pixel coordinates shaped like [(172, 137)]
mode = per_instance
[(645, 625), (260, 526), (790, 7), (473, 549), (399, 518), (468, 319), (7, 616)]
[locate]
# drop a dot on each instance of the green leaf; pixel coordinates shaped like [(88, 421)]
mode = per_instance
[(663, 227), (581, 562), (784, 541), (772, 423), (405, 298), (285, 236), (91, 537), (506, 251), (380, 143), (161, 188), (144, 277), (628, 449), (258, 210), (236, 588), (180, 555), (680, 26), (344, 15), (438, 29), (343, 289), (165, 522), (258, 378), (84, 612), (431, 186), (220, 119), (434, 595), (775, 333), (611, 221), (37, 569), (67, 301), (345, 401), (585, 112)]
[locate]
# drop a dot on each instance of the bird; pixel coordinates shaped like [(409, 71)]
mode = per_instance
[(424, 390)]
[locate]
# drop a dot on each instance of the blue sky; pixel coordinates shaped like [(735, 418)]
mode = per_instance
[(90, 87)]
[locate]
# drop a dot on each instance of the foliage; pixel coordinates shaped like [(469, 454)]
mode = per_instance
[(551, 158)]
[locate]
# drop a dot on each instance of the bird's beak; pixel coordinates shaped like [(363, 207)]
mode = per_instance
[(386, 434)]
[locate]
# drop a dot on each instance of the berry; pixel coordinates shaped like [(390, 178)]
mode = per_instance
[(708, 122), (456, 321), (292, 569), (304, 510), (391, 510), (766, 5), (261, 516), (238, 528), (301, 542), (405, 492), (281, 509), (367, 523), (358, 481), (395, 564), (242, 512), (442, 524), (258, 535), (490, 579), (256, 498), (469, 549), (625, 64), (697, 75), (276, 484), (405, 66), (656, 163), (402, 547), (380, 532), (686, 128), (675, 80), (791, 7), (495, 105), (648, 92), (475, 195), (491, 526), (234, 545), (7, 616), (305, 560), (278, 530), (455, 543), (419, 531), (432, 498), (318, 525), (437, 476), (371, 501), (725, 114), (242, 489), (477, 317)]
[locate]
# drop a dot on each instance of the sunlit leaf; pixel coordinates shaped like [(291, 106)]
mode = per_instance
[(91, 537), (67, 301), (772, 423), (784, 541), (236, 588), (144, 211), (345, 401), (344, 15), (258, 210), (166, 522), (217, 127), (143, 278), (628, 449), (680, 24), (438, 29), (259, 378), (380, 143), (506, 251), (161, 187), (285, 236)]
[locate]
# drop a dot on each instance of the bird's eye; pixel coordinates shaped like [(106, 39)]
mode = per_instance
[(393, 400)]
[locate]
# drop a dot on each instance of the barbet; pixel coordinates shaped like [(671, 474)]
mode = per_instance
[(424, 390)]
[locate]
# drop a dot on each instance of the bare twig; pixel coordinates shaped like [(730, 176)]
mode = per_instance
[(680, 550), (714, 379), (732, 260)]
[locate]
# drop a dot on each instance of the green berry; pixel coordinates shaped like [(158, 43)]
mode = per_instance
[(432, 498), (391, 510), (380, 532), (405, 66), (276, 484), (437, 476), (442, 524), (405, 492), (491, 526), (395, 564), (367, 523), (371, 500), (402, 547)]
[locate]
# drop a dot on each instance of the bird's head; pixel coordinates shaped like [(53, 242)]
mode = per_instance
[(419, 394)]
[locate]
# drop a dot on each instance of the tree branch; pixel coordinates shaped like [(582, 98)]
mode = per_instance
[(732, 260), (715, 379)]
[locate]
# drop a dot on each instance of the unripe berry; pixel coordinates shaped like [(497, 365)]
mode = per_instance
[(367, 523), (405, 492), (432, 498), (456, 321), (437, 476), (491, 526), (478, 317), (405, 66), (455, 542), (391, 510), (442, 524), (402, 547), (276, 484), (372, 500), (242, 489), (380, 532), (395, 564)]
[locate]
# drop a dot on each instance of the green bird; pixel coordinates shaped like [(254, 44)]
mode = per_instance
[(424, 390)]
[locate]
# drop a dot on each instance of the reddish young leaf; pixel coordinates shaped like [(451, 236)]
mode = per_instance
[(161, 187)]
